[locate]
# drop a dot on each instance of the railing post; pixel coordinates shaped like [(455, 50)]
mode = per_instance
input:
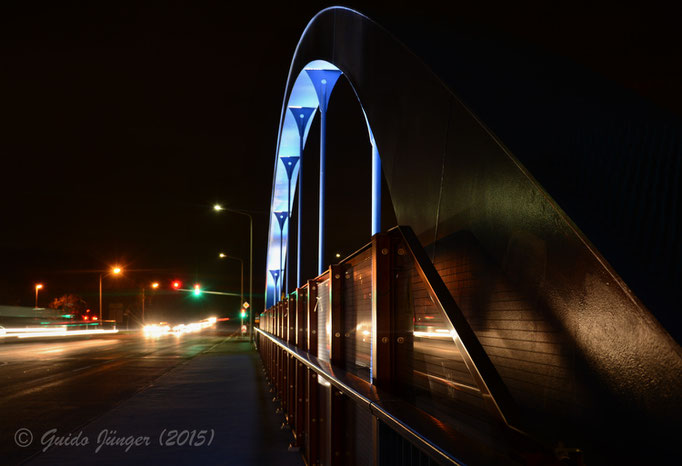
[(338, 428), (301, 319), (285, 358), (291, 318), (291, 361), (312, 418), (301, 371), (382, 310), (311, 315), (312, 404), (336, 356), (281, 376)]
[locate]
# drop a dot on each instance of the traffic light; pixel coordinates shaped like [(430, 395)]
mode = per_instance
[(197, 290), (243, 313), (176, 285)]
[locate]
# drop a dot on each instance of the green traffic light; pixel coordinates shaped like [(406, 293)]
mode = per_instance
[(243, 314), (197, 290)]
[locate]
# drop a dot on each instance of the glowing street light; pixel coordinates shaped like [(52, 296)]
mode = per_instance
[(114, 271), (39, 286), (222, 255), (219, 208), (154, 286)]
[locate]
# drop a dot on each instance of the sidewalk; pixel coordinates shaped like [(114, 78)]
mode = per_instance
[(218, 401)]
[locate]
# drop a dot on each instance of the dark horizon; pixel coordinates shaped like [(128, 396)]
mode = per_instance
[(123, 124)]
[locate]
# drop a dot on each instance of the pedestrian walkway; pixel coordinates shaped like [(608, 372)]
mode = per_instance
[(217, 406)]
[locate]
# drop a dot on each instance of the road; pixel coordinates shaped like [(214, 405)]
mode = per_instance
[(66, 384)]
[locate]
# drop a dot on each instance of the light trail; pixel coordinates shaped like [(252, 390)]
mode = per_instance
[(155, 330), (47, 332)]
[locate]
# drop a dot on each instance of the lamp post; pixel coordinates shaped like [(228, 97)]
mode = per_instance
[(219, 208), (113, 271), (39, 286), (154, 286), (222, 255)]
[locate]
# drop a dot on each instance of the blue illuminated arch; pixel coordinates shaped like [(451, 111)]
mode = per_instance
[(292, 138)]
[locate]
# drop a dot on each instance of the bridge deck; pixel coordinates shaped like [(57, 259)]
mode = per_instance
[(222, 391)]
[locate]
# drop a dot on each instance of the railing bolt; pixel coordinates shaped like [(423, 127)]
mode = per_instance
[(400, 340), (384, 251), (384, 340), (314, 332), (347, 335), (337, 276), (337, 334), (401, 252)]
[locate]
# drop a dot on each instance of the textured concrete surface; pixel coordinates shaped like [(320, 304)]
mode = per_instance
[(221, 394)]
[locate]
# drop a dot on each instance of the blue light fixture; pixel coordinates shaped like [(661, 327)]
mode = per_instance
[(275, 276), (281, 220), (323, 81), (289, 165), (301, 117)]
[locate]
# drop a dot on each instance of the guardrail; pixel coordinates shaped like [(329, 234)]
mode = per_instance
[(373, 363)]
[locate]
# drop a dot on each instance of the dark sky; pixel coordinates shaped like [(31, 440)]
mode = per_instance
[(122, 122)]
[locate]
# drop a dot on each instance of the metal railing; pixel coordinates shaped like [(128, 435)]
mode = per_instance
[(374, 357)]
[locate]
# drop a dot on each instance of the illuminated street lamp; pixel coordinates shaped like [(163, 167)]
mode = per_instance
[(154, 286), (114, 271), (39, 286), (220, 208), (222, 255)]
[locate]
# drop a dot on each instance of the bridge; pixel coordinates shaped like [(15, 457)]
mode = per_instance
[(473, 257), (478, 323)]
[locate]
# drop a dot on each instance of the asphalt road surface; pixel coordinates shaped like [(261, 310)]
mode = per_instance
[(65, 384)]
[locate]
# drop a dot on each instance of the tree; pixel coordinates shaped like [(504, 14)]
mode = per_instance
[(70, 304)]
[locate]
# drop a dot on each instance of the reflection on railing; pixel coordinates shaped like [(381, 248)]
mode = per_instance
[(376, 343)]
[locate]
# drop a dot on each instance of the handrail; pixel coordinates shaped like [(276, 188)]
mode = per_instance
[(373, 404), (399, 413)]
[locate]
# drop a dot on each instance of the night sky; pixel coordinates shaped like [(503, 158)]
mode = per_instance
[(122, 123)]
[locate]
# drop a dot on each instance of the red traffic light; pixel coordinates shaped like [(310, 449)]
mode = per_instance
[(176, 285)]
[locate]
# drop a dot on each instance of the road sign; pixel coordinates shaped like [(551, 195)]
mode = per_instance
[(245, 305)]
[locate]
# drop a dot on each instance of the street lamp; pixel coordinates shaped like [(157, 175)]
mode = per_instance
[(154, 286), (220, 208), (39, 286), (114, 271), (222, 255)]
